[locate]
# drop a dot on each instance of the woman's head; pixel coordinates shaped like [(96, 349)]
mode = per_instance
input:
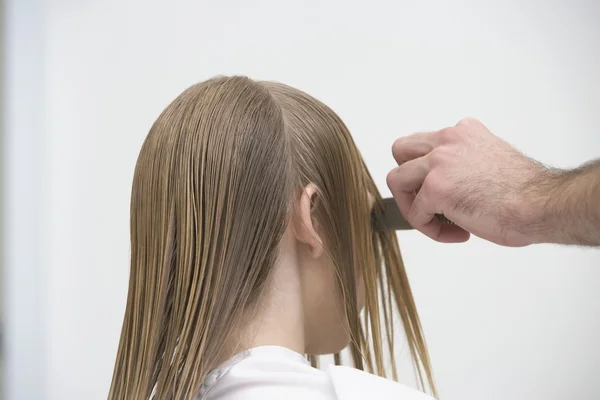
[(243, 189)]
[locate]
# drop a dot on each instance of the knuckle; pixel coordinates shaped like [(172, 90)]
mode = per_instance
[(448, 134), (438, 156), (397, 146), (435, 185), (392, 179), (430, 185), (468, 121)]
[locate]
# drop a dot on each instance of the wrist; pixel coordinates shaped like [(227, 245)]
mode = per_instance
[(539, 202), (558, 206)]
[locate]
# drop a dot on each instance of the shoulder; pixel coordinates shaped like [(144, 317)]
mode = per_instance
[(353, 384)]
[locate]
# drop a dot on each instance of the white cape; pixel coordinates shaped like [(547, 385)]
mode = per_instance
[(272, 372)]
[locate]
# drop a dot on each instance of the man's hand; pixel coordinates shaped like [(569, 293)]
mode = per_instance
[(477, 180)]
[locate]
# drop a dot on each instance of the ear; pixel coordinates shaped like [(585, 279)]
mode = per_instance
[(306, 228)]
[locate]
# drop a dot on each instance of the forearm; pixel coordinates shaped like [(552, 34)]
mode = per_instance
[(568, 207)]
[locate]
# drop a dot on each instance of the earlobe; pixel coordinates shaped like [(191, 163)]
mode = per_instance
[(306, 228)]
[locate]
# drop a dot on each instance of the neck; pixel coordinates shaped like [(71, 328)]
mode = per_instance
[(278, 319)]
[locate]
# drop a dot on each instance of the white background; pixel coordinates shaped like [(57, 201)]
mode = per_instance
[(86, 79)]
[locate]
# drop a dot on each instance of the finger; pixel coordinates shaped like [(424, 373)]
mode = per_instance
[(404, 198), (414, 146), (433, 228), (409, 176), (452, 234), (421, 216), (404, 201)]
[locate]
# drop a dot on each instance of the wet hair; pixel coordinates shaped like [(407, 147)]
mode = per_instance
[(212, 196)]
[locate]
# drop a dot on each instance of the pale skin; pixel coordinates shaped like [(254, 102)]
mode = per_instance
[(491, 190), (300, 308)]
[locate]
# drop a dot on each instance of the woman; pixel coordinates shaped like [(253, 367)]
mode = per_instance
[(251, 246)]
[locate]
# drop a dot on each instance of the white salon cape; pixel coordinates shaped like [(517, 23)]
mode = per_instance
[(272, 372)]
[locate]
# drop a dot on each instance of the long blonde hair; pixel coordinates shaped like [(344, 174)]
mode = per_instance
[(210, 203)]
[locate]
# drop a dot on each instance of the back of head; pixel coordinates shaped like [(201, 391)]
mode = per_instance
[(212, 194)]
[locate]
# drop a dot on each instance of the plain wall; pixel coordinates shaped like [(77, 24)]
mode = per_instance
[(2, 109), (25, 205), (86, 79)]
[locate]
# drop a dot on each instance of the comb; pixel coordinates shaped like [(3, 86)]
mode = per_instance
[(389, 218)]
